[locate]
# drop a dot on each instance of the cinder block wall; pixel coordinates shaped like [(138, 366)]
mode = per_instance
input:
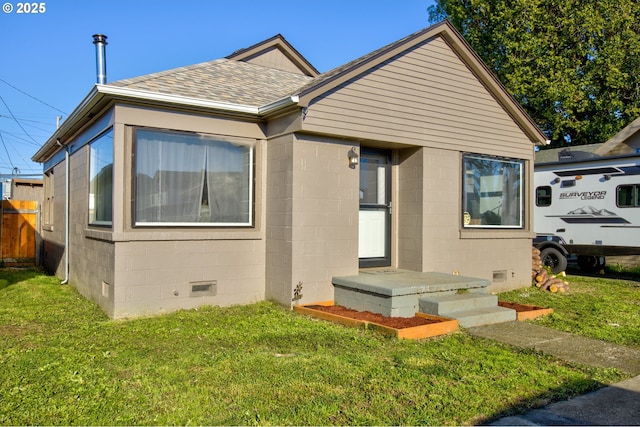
[(278, 225), (159, 276), (53, 236), (410, 208), (501, 256), (312, 214), (325, 215)]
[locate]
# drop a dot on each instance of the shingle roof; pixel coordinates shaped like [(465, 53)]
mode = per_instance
[(237, 82), (551, 154), (222, 80)]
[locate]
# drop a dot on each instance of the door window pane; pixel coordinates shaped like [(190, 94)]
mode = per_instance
[(373, 180)]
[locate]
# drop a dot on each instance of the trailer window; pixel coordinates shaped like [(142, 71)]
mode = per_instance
[(492, 193), (627, 196), (543, 195)]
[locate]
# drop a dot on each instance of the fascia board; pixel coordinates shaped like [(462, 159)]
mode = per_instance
[(162, 98), (99, 92), (278, 105), (146, 96), (88, 102)]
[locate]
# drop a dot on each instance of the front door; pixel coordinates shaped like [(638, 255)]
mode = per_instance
[(375, 208)]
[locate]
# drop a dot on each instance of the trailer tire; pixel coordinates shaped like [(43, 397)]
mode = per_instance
[(590, 264), (554, 259)]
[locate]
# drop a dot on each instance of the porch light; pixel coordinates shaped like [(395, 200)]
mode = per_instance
[(353, 158)]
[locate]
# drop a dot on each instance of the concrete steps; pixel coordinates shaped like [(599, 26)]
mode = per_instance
[(469, 309)]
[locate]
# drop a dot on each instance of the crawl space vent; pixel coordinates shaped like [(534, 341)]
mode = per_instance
[(207, 288), (500, 276)]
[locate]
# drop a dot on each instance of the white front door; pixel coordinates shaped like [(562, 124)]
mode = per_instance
[(375, 208)]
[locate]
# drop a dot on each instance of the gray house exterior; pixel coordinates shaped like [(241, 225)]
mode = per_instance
[(233, 181)]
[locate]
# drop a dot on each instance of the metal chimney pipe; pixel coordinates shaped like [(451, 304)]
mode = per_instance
[(100, 40)]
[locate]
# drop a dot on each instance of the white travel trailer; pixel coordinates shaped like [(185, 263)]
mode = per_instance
[(589, 207)]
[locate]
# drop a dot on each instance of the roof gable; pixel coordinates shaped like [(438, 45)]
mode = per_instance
[(627, 141), (276, 53), (328, 81)]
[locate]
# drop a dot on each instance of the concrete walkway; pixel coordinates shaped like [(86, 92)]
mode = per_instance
[(618, 404)]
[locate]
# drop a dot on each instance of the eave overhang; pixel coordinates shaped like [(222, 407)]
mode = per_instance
[(101, 95)]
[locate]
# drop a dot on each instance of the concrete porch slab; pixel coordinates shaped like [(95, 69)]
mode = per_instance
[(396, 293), (394, 283)]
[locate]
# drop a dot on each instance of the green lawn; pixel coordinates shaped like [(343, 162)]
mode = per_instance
[(63, 362), (606, 309)]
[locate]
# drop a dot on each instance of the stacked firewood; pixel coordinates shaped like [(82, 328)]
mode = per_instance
[(541, 277)]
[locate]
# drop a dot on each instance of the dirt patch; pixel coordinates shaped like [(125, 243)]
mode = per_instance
[(392, 322)]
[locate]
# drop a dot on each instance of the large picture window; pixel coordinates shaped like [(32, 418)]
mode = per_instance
[(101, 180), (492, 194), (192, 179)]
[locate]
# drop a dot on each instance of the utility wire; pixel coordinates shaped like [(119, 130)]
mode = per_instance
[(5, 149), (30, 121), (13, 135), (32, 127), (16, 120), (32, 97)]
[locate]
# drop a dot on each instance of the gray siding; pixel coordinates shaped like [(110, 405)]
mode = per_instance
[(426, 97), (274, 58)]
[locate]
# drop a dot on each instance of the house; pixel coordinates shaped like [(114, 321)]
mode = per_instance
[(625, 142), (26, 189), (567, 153), (248, 177)]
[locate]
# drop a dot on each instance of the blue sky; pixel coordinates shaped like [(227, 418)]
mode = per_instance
[(47, 60)]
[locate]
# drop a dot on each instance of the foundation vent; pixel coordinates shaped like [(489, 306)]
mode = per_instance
[(500, 276), (205, 288), (105, 289)]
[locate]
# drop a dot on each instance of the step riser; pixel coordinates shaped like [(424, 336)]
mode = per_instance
[(443, 305), (469, 319)]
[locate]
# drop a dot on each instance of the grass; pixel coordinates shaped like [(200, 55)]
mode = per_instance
[(595, 307), (63, 362), (620, 272)]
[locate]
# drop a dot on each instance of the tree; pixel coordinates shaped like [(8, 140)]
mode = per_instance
[(574, 65)]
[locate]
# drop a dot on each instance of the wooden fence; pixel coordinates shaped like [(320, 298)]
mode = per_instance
[(18, 232)]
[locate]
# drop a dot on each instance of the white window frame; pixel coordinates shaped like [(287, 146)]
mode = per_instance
[(488, 189), (91, 197), (235, 141)]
